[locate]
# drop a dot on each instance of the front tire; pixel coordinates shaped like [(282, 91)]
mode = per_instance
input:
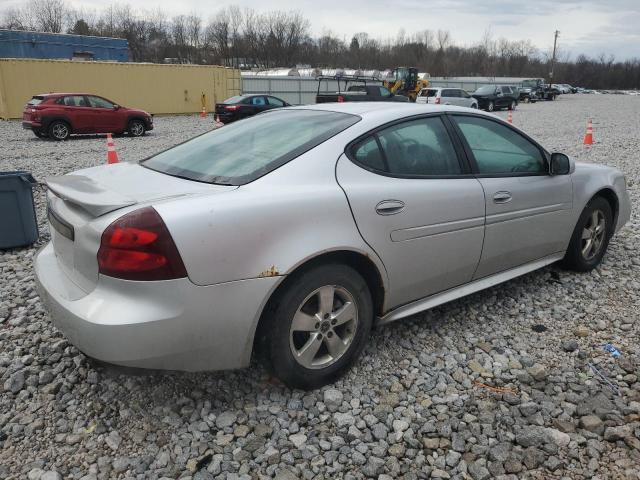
[(136, 128), (512, 105), (590, 237), (318, 326)]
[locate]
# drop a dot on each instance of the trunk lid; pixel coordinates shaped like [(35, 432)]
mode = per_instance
[(78, 207)]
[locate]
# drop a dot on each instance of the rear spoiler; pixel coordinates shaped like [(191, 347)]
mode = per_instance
[(87, 194)]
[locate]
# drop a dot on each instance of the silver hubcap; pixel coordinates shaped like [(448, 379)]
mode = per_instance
[(137, 129), (593, 235), (491, 107), (60, 130), (323, 327)]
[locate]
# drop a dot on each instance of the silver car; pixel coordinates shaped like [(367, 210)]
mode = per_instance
[(291, 233), (446, 96)]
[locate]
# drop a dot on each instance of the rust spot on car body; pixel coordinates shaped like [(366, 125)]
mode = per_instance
[(271, 272)]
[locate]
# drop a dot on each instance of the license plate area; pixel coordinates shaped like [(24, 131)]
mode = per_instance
[(62, 227)]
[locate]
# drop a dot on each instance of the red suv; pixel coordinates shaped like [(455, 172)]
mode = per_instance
[(58, 115)]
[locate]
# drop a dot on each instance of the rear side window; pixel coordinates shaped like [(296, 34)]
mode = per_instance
[(419, 147), (429, 92), (450, 93), (35, 101), (72, 101), (498, 149), (258, 101), (240, 152)]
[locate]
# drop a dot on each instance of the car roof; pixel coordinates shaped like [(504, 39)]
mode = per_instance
[(387, 109), (66, 94)]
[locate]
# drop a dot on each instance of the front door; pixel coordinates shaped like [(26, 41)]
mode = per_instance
[(107, 118), (416, 205), (527, 210)]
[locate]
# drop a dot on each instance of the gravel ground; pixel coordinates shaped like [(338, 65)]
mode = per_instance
[(496, 385)]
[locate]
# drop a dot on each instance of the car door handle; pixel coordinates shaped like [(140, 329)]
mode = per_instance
[(389, 207), (502, 197)]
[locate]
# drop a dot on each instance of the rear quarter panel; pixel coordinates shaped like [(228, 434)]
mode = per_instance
[(267, 227)]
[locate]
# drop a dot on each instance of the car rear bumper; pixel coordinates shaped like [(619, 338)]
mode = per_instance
[(169, 325), (225, 117)]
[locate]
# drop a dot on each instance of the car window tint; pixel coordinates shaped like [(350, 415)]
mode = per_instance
[(243, 151), (419, 147), (384, 92), (275, 102), (258, 101), (36, 100), (236, 99), (464, 94), (506, 90), (368, 154), (430, 92), (97, 102), (450, 93), (75, 101), (498, 149)]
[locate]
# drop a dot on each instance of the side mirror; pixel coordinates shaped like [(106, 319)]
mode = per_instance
[(116, 107), (560, 164)]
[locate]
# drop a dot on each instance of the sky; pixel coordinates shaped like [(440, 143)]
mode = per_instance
[(591, 27)]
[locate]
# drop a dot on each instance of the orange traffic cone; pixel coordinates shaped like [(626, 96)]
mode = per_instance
[(218, 123), (112, 155), (510, 117), (588, 138), (203, 113)]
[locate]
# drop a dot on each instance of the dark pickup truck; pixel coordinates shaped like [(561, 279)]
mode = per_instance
[(360, 92)]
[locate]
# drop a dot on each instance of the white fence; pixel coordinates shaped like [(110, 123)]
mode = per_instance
[(295, 90)]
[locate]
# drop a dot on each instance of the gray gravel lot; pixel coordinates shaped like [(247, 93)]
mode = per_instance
[(467, 390)]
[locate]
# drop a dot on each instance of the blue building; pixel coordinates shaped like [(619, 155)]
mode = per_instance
[(19, 44)]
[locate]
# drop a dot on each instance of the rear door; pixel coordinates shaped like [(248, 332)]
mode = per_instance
[(77, 110), (528, 211), (259, 104), (450, 96), (416, 205)]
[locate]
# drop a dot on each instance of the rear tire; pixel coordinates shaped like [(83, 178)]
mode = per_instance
[(308, 342), (590, 237), (136, 128), (59, 130), (491, 107)]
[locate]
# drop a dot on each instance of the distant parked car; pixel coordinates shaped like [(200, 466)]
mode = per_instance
[(494, 97), (58, 115), (361, 93), (447, 96), (243, 106), (562, 88)]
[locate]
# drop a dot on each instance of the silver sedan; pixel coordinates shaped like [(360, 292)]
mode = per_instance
[(291, 233)]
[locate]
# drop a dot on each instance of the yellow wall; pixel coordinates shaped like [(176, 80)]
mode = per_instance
[(156, 88)]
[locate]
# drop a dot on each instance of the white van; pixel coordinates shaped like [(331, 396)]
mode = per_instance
[(446, 96)]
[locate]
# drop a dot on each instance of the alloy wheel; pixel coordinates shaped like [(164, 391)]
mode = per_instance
[(136, 129), (323, 327), (60, 131), (593, 235)]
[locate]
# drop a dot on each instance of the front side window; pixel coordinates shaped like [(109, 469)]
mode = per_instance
[(419, 147), (243, 151), (486, 90), (506, 89), (97, 102), (464, 94), (498, 149)]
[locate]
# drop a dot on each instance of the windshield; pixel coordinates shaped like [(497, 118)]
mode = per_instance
[(243, 151), (487, 89)]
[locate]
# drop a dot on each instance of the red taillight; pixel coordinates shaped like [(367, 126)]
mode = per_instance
[(340, 98), (138, 246), (438, 100), (232, 108)]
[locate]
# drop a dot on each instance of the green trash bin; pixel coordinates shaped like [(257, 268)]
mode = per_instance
[(18, 225)]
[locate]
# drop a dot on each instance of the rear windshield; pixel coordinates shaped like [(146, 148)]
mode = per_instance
[(35, 101), (431, 92), (240, 152), (236, 99)]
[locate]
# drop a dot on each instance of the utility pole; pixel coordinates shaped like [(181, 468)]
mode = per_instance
[(553, 57)]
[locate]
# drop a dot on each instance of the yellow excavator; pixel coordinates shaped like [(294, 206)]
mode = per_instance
[(405, 81)]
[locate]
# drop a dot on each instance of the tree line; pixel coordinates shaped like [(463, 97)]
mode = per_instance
[(247, 39)]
